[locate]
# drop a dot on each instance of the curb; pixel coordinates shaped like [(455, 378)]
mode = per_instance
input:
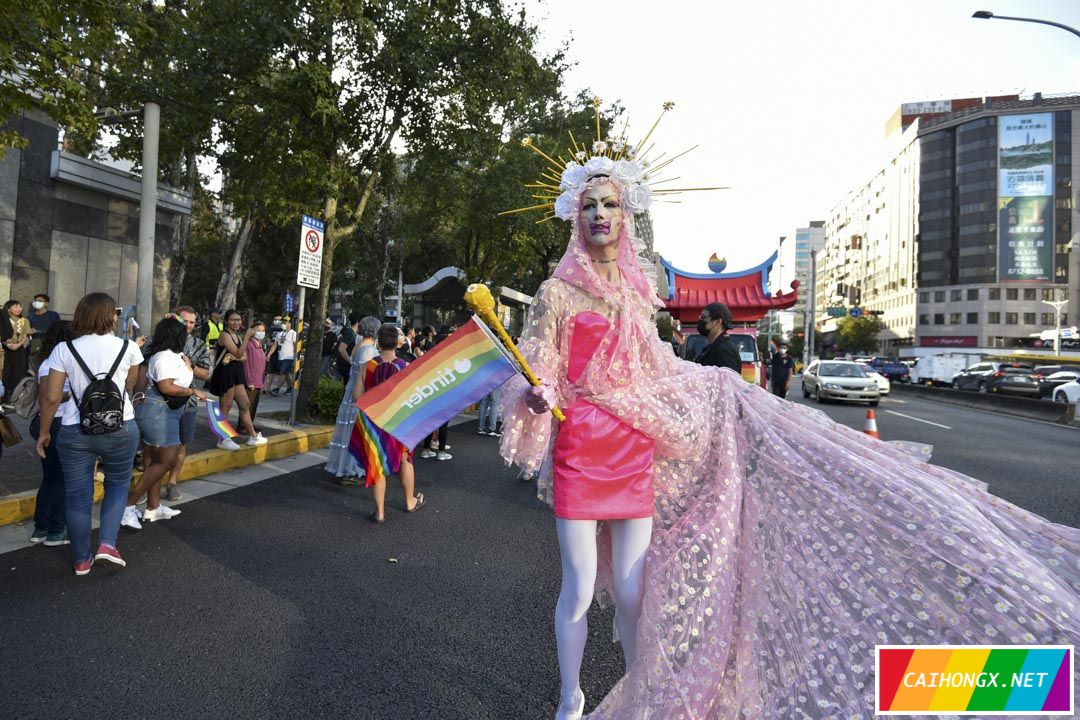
[(20, 507)]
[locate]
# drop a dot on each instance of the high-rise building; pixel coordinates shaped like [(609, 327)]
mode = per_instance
[(964, 234), (808, 240)]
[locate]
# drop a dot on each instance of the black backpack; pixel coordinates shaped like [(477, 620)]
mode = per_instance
[(101, 408)]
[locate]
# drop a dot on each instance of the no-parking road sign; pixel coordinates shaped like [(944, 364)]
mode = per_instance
[(309, 269)]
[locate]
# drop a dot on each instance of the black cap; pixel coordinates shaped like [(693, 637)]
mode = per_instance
[(719, 311)]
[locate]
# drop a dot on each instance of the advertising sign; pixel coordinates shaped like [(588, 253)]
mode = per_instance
[(948, 341), (1026, 155), (1025, 198), (1025, 240), (309, 269)]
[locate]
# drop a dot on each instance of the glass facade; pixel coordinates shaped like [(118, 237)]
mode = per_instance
[(958, 202)]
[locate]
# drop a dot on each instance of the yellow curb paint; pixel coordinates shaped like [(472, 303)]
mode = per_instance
[(20, 507)]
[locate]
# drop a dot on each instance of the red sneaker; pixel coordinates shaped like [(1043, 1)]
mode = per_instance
[(109, 554), (81, 568)]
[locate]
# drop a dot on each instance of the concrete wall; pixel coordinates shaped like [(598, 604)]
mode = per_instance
[(67, 240)]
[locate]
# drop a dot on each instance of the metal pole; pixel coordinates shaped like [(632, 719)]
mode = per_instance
[(987, 15), (808, 351), (144, 295), (298, 325), (400, 298)]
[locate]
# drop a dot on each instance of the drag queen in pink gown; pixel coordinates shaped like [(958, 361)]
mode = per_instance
[(756, 550)]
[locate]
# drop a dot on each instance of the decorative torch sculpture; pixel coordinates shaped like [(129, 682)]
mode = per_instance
[(480, 301)]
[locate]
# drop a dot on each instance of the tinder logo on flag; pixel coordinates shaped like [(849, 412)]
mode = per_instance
[(443, 379)]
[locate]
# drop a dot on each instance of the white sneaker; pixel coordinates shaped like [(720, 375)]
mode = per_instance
[(425, 453), (444, 456), (161, 512), (131, 518), (446, 447), (227, 444), (258, 439)]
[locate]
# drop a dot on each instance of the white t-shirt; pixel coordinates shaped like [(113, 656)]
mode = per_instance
[(98, 352), (65, 408), (286, 341), (168, 365)]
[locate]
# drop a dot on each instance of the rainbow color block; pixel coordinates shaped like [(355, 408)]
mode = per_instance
[(218, 424), (974, 679), (457, 372)]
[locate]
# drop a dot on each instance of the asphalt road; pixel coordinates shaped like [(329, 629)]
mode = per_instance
[(1032, 464), (280, 600)]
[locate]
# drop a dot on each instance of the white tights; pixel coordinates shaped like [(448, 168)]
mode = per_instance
[(577, 545)]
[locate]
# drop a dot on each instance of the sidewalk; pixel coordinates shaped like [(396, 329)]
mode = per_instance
[(20, 467)]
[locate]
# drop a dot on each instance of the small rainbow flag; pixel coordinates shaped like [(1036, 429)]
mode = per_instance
[(772, 346), (457, 372), (974, 679), (365, 446), (218, 424)]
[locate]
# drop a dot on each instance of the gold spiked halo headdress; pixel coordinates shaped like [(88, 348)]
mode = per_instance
[(631, 165)]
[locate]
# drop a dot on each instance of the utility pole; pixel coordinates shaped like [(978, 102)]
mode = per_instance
[(144, 295), (1057, 305), (808, 351)]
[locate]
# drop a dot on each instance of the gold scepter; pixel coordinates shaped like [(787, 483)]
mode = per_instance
[(479, 300)]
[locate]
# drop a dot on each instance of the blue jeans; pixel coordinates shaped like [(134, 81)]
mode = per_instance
[(77, 454), (49, 511), (489, 411)]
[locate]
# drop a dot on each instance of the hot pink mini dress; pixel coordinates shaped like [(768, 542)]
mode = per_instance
[(602, 467)]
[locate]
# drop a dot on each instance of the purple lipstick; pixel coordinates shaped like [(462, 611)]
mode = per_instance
[(597, 228)]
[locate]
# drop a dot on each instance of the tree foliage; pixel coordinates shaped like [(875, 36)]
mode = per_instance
[(858, 335)]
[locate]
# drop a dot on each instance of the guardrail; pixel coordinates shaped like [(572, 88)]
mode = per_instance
[(1061, 413)]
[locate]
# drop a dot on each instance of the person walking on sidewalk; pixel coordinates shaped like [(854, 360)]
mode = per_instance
[(341, 463), (197, 355), (49, 525), (782, 370), (399, 458), (228, 379), (286, 342), (159, 412), (96, 356)]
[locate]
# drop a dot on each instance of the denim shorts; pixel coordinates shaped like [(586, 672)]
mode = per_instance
[(158, 423), (285, 366)]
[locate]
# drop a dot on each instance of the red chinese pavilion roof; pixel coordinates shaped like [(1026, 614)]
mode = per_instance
[(745, 293)]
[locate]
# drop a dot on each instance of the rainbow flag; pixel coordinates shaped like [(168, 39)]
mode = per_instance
[(218, 424), (772, 346), (364, 445), (457, 372), (974, 679)]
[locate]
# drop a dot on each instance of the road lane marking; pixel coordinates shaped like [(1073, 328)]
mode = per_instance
[(910, 417)]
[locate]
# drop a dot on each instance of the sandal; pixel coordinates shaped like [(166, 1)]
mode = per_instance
[(420, 500), (374, 517)]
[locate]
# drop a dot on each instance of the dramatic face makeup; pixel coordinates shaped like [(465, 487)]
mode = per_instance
[(601, 214)]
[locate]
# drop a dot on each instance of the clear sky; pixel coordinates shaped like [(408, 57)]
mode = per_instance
[(788, 100)]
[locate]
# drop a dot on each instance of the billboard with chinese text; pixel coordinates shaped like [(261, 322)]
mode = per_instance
[(1025, 226)]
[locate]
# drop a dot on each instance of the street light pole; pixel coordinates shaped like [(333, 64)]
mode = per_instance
[(144, 286), (987, 15), (1057, 305)]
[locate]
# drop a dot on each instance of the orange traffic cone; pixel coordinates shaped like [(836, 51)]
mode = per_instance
[(871, 424)]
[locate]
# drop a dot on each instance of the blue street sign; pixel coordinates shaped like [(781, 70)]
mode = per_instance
[(290, 302), (855, 312)]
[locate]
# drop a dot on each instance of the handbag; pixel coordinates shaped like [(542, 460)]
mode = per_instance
[(9, 434)]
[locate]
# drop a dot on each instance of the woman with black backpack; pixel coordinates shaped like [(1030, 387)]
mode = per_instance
[(101, 369), (159, 410)]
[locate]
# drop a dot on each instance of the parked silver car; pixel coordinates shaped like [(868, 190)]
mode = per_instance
[(839, 380)]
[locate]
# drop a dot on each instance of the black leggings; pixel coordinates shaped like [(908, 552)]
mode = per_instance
[(442, 437)]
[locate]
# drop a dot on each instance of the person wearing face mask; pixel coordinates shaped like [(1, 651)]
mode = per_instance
[(41, 319), (255, 365), (198, 357), (783, 369), (714, 323)]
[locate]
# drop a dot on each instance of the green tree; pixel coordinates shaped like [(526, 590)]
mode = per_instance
[(858, 335), (49, 55)]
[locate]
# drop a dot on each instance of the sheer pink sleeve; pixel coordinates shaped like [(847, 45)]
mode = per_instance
[(526, 437)]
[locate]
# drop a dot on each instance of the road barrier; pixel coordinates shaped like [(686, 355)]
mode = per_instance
[(1045, 410)]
